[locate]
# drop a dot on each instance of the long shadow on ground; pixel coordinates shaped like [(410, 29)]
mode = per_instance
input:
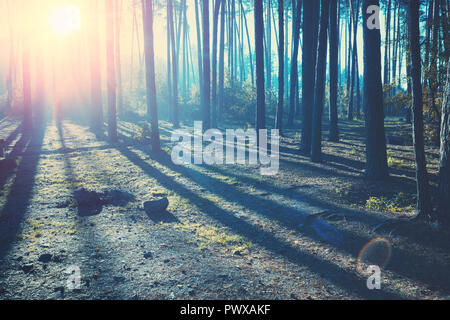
[(325, 269), (20, 193)]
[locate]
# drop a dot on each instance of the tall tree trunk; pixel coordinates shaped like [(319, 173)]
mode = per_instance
[(169, 55), (428, 28), (199, 50), (150, 73), (279, 118), (175, 120), (111, 73), (433, 79), (214, 62), (334, 70), (316, 145), (396, 57), (286, 58), (424, 206), (310, 34), (354, 12), (96, 85), (444, 160), (376, 155), (206, 68), (269, 45), (222, 60), (12, 60), (358, 88), (294, 63), (26, 84), (252, 67), (118, 22), (387, 44), (259, 50)]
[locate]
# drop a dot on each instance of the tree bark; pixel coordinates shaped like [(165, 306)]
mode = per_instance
[(199, 49), (424, 206), (294, 60), (111, 73), (222, 61), (118, 22), (444, 160), (259, 49), (26, 85), (175, 120), (376, 155), (96, 85), (310, 34), (279, 118), (334, 70), (206, 68), (214, 63), (316, 145), (150, 73)]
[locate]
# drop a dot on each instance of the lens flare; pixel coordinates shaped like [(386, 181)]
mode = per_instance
[(376, 252)]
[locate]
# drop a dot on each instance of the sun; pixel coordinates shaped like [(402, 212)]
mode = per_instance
[(65, 19)]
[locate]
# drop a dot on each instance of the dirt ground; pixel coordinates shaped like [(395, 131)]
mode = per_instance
[(229, 233)]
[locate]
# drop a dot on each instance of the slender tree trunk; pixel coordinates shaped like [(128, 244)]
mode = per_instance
[(175, 115), (334, 70), (199, 50), (259, 49), (231, 41), (376, 155), (214, 62), (150, 73), (387, 44), (26, 85), (294, 64), (184, 79), (310, 32), (222, 60), (428, 27), (316, 146), (118, 22), (395, 60), (444, 160), (169, 61), (111, 73), (96, 86), (350, 47), (286, 58), (355, 15), (269, 46), (433, 79), (12, 60), (206, 68), (279, 118), (424, 206), (252, 68), (358, 88)]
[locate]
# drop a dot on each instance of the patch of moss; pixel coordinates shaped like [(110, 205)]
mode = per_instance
[(384, 204), (208, 236)]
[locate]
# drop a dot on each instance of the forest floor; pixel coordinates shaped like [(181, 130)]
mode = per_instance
[(229, 233)]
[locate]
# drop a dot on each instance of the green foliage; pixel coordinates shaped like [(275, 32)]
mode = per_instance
[(240, 101), (399, 203)]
